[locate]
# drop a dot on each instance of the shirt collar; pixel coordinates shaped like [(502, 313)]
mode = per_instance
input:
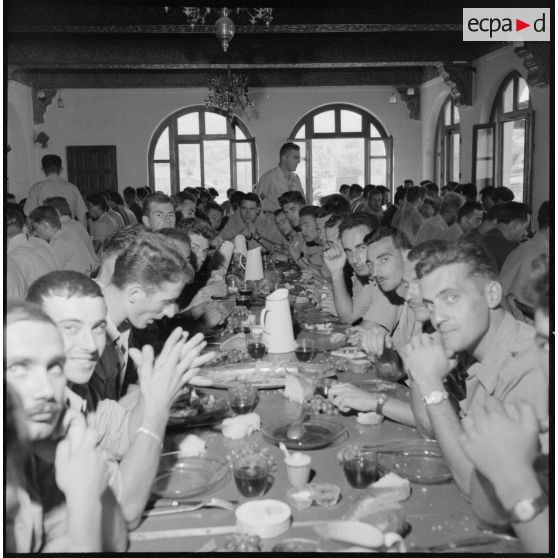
[(74, 401), (64, 219)]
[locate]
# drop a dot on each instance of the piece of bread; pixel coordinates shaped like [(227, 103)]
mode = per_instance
[(297, 388), (392, 486), (192, 446), (240, 426), (385, 514)]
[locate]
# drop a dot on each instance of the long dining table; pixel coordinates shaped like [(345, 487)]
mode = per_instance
[(436, 513)]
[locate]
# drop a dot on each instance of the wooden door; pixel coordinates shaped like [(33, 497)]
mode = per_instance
[(92, 168)]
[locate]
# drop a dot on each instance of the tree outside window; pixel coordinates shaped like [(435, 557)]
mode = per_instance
[(341, 144)]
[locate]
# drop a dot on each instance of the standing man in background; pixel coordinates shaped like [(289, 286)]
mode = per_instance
[(53, 186), (280, 179)]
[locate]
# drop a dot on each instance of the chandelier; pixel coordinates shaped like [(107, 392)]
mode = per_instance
[(224, 26), (229, 93)]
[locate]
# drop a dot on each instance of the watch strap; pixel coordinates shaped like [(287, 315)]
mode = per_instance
[(527, 509)]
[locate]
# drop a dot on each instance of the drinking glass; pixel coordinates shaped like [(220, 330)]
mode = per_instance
[(389, 365), (246, 288), (233, 283), (256, 344), (360, 466), (305, 349), (250, 474), (243, 398)]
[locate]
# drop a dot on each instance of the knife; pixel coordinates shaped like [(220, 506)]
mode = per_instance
[(169, 504)]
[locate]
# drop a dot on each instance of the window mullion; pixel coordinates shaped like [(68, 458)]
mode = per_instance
[(366, 160), (202, 161), (173, 154)]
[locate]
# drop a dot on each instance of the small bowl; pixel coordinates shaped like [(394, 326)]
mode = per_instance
[(300, 498), (419, 461), (326, 494)]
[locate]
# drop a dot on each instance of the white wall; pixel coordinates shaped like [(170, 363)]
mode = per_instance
[(127, 118), (491, 71), (19, 128)]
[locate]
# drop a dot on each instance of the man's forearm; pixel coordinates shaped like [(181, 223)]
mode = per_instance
[(84, 522), (419, 411), (113, 524), (139, 466), (399, 411), (447, 429), (342, 299)]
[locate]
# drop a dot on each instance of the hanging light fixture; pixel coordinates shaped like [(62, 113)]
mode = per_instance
[(411, 91), (60, 102), (224, 26), (224, 29), (229, 93), (393, 99)]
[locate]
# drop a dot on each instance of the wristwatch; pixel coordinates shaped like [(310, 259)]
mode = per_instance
[(435, 397), (527, 509), (381, 402), (257, 238)]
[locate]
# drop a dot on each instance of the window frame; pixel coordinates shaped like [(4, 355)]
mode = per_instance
[(444, 141), (368, 120), (176, 139), (498, 117)]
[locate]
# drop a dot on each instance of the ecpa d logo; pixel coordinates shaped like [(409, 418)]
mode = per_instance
[(506, 24)]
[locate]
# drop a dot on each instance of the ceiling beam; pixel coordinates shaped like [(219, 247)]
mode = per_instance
[(182, 29), (259, 78)]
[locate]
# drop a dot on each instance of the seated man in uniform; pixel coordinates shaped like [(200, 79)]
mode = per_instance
[(393, 324), (460, 287), (63, 498), (307, 255), (158, 212), (258, 228), (69, 249), (76, 305)]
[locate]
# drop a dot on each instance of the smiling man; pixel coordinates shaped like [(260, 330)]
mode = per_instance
[(149, 275), (64, 503), (76, 305), (460, 287)]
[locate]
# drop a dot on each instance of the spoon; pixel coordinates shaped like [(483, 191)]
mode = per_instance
[(296, 431), (284, 449)]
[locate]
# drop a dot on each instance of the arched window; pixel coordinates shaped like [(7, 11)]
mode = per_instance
[(200, 146), (448, 144), (503, 148), (341, 144)]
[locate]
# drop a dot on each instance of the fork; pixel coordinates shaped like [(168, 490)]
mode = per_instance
[(175, 507)]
